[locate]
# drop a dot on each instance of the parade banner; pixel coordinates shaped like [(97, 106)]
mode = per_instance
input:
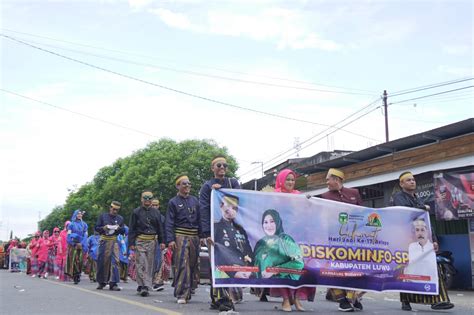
[(17, 260), (287, 240), (454, 195)]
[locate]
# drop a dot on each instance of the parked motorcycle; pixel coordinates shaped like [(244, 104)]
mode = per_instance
[(446, 262)]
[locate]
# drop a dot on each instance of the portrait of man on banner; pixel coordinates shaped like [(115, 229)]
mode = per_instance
[(231, 244), (421, 255)]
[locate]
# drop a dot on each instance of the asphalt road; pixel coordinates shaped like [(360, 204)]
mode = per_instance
[(21, 294)]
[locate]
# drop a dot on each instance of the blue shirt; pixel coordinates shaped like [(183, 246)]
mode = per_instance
[(205, 201), (181, 213), (93, 246), (108, 219)]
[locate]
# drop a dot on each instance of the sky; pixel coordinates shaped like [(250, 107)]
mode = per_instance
[(84, 83)]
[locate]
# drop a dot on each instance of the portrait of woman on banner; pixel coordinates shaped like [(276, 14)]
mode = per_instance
[(277, 249)]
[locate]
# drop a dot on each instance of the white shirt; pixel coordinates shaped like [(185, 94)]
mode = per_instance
[(422, 261)]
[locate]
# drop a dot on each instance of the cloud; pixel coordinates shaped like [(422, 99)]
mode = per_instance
[(48, 91), (456, 50), (287, 29), (176, 20), (457, 71), (139, 4)]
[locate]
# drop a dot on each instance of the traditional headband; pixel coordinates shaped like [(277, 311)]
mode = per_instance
[(115, 206), (219, 158), (405, 175), (179, 179), (233, 201), (419, 222), (336, 172)]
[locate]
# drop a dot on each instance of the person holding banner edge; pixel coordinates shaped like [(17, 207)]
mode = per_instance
[(349, 300), (285, 251), (221, 298), (407, 198)]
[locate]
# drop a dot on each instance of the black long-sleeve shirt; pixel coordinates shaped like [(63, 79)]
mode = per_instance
[(404, 199), (205, 201), (231, 244), (145, 221), (108, 219), (182, 213)]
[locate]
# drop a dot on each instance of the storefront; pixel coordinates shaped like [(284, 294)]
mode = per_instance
[(442, 161), (449, 193)]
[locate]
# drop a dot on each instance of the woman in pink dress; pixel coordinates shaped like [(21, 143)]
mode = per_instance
[(285, 183), (43, 253), (34, 245), (53, 253), (61, 254)]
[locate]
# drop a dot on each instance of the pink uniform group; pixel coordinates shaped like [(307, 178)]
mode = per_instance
[(48, 253)]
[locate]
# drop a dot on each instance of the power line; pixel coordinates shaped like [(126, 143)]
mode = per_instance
[(200, 74), (417, 120), (154, 136), (454, 95), (452, 100), (350, 122), (196, 73), (78, 113), (425, 96), (175, 90), (430, 86), (320, 133), (315, 141)]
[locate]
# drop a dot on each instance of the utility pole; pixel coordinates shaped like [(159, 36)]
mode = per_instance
[(385, 106), (296, 146), (261, 165)]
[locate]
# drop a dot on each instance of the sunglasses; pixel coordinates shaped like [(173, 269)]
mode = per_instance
[(147, 197), (186, 183), (219, 165), (56, 232)]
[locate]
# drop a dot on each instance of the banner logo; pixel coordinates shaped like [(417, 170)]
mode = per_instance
[(343, 217), (374, 220)]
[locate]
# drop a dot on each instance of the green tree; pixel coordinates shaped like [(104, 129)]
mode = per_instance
[(153, 167)]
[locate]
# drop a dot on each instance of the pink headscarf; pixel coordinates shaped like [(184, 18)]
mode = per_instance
[(280, 181)]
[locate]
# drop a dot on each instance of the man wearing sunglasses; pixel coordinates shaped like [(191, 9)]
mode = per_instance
[(145, 230), (182, 229), (221, 298)]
